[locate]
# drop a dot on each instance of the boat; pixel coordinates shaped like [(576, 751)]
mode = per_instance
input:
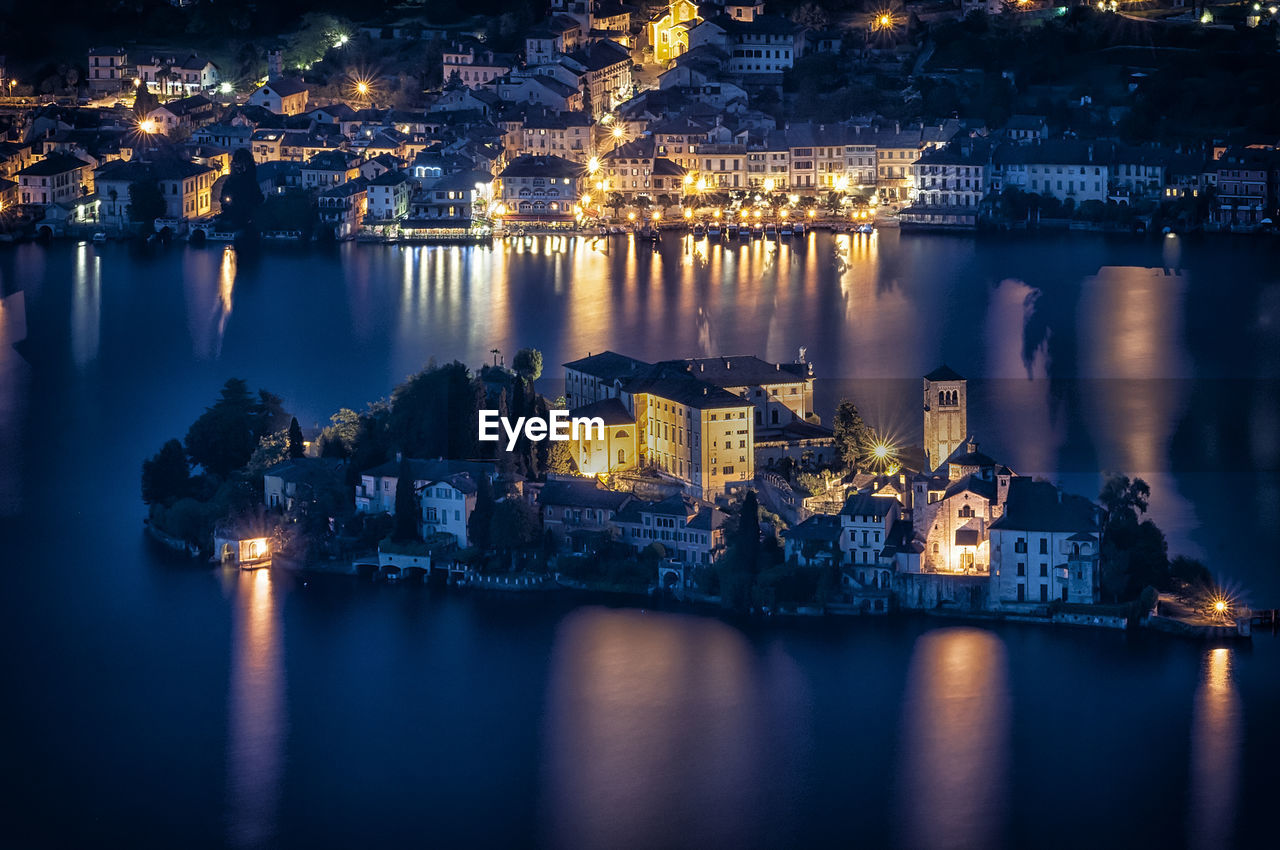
[(731, 231), (786, 229), (771, 231), (867, 227), (100, 238), (713, 230), (699, 232), (757, 230)]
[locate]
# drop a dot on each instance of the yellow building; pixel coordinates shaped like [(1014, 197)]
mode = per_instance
[(687, 427), (669, 33), (616, 450)]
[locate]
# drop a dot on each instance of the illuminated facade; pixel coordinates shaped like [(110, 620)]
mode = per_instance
[(946, 423), (669, 32), (687, 426), (616, 450)]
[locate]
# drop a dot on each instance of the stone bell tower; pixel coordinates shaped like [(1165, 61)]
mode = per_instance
[(946, 420)]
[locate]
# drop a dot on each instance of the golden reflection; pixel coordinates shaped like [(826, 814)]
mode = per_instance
[(1135, 367), (256, 711), (956, 741), (209, 289), (86, 306), (651, 725), (1215, 754)]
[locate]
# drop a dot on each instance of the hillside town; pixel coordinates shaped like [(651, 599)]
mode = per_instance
[(602, 116)]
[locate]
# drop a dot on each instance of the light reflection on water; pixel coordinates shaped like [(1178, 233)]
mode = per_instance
[(634, 696), (1135, 366), (955, 747), (257, 711), (1216, 735), (86, 306)]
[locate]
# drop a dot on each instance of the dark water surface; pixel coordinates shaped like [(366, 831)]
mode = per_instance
[(150, 703)]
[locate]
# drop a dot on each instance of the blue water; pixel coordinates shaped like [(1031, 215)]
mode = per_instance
[(155, 703)]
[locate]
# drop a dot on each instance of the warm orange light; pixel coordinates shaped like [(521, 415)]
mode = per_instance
[(362, 88), (688, 213)]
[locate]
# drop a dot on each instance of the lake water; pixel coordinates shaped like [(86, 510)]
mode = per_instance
[(158, 703)]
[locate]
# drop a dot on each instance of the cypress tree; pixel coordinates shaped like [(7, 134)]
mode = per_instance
[(406, 529), (297, 444)]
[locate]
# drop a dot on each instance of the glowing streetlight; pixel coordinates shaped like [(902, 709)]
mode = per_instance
[(147, 126), (812, 213), (362, 88), (631, 216), (225, 88), (768, 184), (783, 213), (657, 215), (593, 165), (688, 213), (617, 132), (715, 213), (586, 200)]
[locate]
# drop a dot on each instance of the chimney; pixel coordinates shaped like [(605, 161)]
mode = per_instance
[(777, 367), (897, 126), (972, 446)]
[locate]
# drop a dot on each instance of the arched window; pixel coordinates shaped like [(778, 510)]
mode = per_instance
[(622, 456)]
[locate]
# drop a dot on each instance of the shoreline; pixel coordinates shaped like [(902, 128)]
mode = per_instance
[(1004, 231), (540, 586)]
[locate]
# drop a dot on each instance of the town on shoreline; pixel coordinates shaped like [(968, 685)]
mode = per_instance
[(726, 118), (710, 481)]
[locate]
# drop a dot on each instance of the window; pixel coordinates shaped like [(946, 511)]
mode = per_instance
[(1020, 545), (1044, 546), (1022, 568), (1044, 570)]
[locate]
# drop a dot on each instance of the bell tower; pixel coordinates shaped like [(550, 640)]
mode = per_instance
[(946, 420)]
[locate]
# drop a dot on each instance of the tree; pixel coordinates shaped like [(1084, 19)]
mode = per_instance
[(241, 194), (297, 444), (407, 527), (851, 434), (146, 201), (166, 477), (514, 525), (478, 524), (224, 436), (560, 458), (528, 364), (272, 448), (338, 438)]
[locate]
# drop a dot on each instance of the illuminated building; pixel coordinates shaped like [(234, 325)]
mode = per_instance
[(669, 31), (1044, 547), (616, 450), (471, 64), (344, 207), (187, 188), (170, 76), (540, 189), (108, 68), (687, 427), (952, 511), (283, 97), (946, 423), (606, 69), (634, 169), (59, 178)]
